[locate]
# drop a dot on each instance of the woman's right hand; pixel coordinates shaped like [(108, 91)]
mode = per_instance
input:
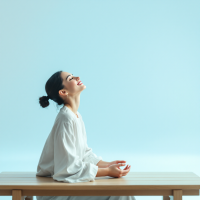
[(115, 171)]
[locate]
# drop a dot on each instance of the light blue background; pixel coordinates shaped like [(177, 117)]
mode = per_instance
[(139, 61)]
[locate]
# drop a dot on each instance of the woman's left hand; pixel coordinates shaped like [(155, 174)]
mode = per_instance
[(104, 164), (116, 162)]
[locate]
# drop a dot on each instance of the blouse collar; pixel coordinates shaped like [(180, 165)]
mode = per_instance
[(66, 108)]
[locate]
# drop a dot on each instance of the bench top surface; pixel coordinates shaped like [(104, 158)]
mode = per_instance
[(133, 180)]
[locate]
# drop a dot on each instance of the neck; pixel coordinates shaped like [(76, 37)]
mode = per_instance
[(73, 103)]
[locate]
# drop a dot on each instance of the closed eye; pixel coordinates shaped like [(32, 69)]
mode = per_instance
[(71, 78)]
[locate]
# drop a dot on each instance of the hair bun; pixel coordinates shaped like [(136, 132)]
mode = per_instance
[(44, 101)]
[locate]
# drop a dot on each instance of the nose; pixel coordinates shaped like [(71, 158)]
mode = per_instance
[(77, 78)]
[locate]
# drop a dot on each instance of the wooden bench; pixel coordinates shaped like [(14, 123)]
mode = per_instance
[(22, 185)]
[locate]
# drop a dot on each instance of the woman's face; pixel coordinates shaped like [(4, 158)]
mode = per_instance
[(72, 84)]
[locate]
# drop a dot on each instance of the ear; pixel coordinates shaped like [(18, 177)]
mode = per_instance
[(63, 92)]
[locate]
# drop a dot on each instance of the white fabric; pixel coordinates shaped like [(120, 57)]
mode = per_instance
[(67, 158)]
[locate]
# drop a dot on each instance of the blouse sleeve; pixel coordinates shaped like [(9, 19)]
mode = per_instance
[(90, 156), (68, 167)]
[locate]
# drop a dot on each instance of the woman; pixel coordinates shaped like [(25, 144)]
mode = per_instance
[(66, 156)]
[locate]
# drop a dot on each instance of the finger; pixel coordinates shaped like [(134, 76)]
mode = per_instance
[(129, 166), (126, 170), (120, 161), (125, 173), (126, 167), (120, 164)]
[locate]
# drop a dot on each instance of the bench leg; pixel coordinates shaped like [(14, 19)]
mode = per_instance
[(166, 198), (29, 198), (177, 194), (17, 195)]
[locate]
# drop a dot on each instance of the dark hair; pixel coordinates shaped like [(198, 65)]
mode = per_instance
[(52, 86)]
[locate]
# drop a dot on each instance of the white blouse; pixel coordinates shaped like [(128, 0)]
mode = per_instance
[(66, 156)]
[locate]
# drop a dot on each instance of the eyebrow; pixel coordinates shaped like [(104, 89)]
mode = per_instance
[(68, 76)]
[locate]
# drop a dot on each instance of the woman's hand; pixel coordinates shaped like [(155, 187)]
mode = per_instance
[(115, 170), (116, 162), (104, 164)]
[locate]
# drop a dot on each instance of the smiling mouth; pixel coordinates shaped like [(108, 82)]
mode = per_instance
[(79, 83)]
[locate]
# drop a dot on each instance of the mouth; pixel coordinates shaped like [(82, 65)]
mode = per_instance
[(79, 83)]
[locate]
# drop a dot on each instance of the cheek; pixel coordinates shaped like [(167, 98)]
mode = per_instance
[(73, 85)]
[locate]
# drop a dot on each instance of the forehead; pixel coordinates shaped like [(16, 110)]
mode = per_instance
[(65, 74)]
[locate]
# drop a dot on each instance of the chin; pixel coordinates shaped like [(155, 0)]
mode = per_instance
[(83, 88)]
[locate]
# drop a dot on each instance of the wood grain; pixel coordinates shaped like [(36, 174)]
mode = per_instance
[(108, 193), (177, 194), (100, 193), (134, 184), (166, 198), (17, 195), (130, 174)]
